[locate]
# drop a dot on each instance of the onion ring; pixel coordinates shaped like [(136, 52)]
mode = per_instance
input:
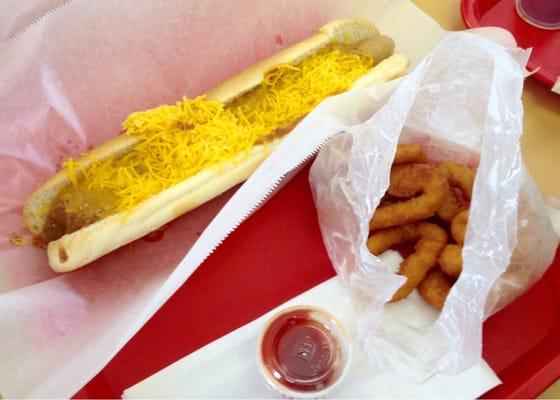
[(459, 226), (458, 176), (408, 180), (450, 207), (451, 260), (430, 241), (409, 153), (419, 177), (435, 288)]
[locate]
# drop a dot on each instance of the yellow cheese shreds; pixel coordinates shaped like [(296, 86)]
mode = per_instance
[(178, 141), (19, 240)]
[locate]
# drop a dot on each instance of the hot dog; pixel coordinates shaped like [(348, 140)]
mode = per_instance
[(173, 158)]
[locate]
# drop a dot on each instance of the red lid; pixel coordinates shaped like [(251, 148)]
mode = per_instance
[(502, 13)]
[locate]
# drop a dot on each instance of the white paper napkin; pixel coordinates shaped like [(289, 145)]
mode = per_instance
[(227, 367)]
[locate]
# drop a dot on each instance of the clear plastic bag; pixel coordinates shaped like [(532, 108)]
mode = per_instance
[(463, 103)]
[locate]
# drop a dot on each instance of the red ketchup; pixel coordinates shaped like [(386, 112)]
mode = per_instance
[(303, 352)]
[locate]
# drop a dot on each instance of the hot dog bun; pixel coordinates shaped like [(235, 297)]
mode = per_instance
[(84, 245)]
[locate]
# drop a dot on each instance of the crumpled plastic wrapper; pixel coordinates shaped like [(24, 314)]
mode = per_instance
[(462, 103)]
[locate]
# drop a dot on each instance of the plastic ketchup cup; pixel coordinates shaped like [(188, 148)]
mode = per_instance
[(544, 14), (304, 352)]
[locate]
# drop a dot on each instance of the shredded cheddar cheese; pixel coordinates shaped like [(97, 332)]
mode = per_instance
[(19, 240), (178, 141)]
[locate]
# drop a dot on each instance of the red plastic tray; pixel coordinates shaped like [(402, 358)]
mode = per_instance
[(502, 13), (277, 254)]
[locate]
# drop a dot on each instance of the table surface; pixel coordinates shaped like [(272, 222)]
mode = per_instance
[(541, 137)]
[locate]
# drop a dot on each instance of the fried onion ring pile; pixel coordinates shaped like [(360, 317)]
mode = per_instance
[(423, 203)]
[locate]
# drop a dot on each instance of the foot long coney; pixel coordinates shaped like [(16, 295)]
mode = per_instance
[(173, 158)]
